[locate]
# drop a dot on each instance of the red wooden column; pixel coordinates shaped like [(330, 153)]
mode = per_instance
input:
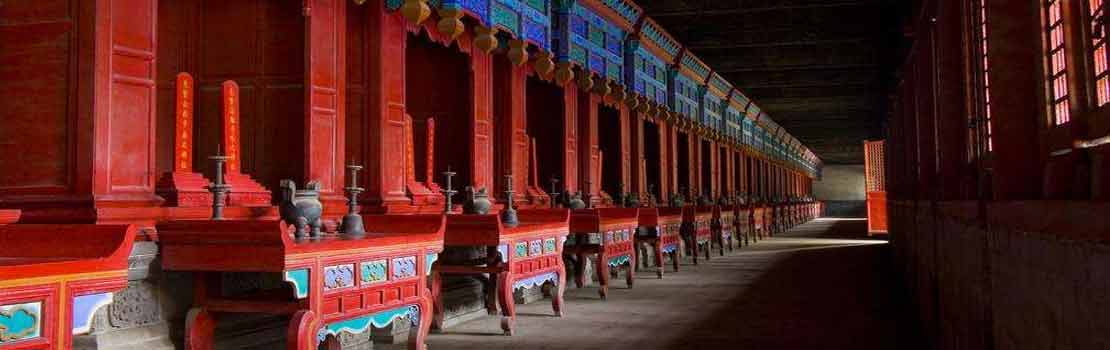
[(513, 137), (667, 173), (570, 130), (670, 166), (742, 179), (590, 158), (325, 97), (694, 151), (730, 171), (481, 89), (384, 150), (626, 146), (638, 164), (714, 170)]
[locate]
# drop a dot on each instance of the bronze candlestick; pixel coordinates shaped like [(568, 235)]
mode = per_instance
[(218, 188), (508, 215), (447, 191), (352, 222)]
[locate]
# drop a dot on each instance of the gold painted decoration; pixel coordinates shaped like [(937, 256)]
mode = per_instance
[(543, 64), (585, 80), (450, 22), (644, 105), (602, 88), (563, 73), (618, 91), (416, 11), (359, 2), (632, 100), (518, 52), (485, 38)]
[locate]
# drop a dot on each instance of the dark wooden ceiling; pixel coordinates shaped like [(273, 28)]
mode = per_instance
[(816, 66)]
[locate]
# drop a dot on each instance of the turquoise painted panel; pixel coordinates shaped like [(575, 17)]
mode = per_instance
[(521, 249), (373, 271), (20, 322), (589, 40), (429, 260), (648, 77), (299, 280), (528, 20), (380, 320), (538, 280), (620, 260), (549, 245)]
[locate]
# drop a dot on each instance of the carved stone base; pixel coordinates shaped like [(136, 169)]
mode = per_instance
[(133, 321), (529, 295), (245, 192), (184, 190), (153, 337)]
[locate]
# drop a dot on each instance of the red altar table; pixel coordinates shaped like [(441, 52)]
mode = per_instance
[(660, 228), (781, 218), (53, 279), (724, 226), (759, 219), (616, 228), (696, 223), (336, 284), (527, 255), (744, 224)]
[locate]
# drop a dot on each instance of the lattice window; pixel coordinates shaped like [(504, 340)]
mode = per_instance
[(1096, 11), (1056, 56), (983, 79), (874, 163)]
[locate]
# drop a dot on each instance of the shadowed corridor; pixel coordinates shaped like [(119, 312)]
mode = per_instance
[(823, 285)]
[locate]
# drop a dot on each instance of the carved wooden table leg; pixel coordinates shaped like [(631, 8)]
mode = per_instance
[(708, 247), (579, 265), (436, 292), (560, 287), (423, 324), (505, 299), (199, 329), (721, 242), (493, 259), (603, 272), (658, 258), (302, 331), (694, 246), (674, 259), (631, 270)]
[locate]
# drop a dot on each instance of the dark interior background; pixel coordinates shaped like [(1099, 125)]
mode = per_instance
[(821, 68)]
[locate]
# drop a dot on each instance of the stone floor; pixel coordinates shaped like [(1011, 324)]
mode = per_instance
[(823, 285)]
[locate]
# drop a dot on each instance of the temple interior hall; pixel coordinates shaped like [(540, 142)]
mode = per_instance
[(554, 174)]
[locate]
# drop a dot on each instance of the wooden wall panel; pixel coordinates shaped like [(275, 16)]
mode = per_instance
[(127, 141), (326, 95), (38, 61)]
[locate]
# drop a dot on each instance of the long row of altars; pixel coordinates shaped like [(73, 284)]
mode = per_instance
[(322, 161)]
